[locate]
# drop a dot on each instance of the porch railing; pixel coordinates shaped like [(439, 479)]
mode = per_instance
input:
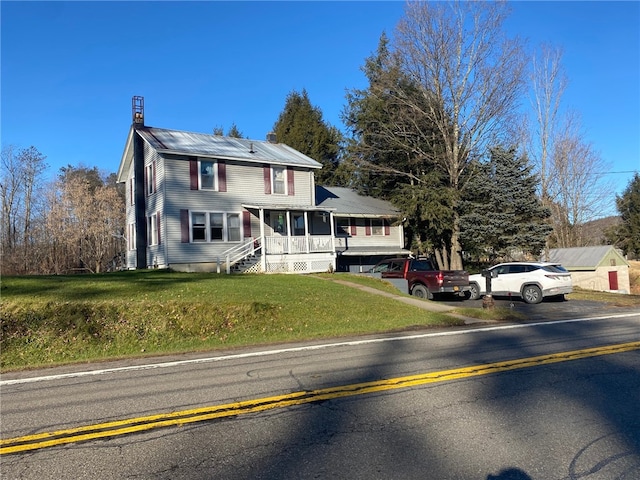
[(251, 246), (298, 244)]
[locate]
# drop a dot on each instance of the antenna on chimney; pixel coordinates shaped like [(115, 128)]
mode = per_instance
[(137, 110)]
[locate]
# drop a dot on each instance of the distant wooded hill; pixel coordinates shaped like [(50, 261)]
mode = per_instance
[(594, 231)]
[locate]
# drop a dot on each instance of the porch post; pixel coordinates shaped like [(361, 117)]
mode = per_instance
[(333, 233), (307, 240), (263, 240), (288, 223)]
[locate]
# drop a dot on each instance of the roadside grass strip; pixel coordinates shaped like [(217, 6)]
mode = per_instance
[(140, 424)]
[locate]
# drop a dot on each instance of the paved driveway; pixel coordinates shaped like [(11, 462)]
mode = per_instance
[(549, 309)]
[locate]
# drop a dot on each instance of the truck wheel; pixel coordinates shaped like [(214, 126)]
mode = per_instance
[(421, 291), (474, 291), (532, 294)]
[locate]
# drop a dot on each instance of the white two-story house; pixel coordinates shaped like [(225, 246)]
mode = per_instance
[(202, 202)]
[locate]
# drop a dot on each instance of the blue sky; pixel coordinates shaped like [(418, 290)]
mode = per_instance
[(69, 69)]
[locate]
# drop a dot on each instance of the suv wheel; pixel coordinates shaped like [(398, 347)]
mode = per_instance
[(474, 291), (532, 294)]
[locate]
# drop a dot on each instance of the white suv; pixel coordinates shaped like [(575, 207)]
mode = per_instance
[(530, 280)]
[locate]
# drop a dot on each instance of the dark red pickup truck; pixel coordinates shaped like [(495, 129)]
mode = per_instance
[(418, 277)]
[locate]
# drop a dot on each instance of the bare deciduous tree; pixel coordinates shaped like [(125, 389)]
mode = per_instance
[(468, 78), (82, 223), (548, 82), (570, 170), (576, 189), (21, 189)]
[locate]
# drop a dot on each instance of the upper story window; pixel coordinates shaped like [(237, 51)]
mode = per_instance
[(150, 178), (279, 180), (208, 175)]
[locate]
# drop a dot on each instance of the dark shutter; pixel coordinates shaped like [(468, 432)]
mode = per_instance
[(387, 228), (158, 226), (290, 183), (246, 223), (222, 177), (352, 226), (193, 174), (146, 182), (367, 228), (184, 226), (267, 179)]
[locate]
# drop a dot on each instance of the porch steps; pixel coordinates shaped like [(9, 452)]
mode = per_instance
[(249, 264)]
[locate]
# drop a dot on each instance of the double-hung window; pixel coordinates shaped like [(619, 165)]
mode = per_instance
[(377, 227), (279, 180), (150, 178), (199, 226), (131, 236), (215, 227), (153, 237), (207, 175)]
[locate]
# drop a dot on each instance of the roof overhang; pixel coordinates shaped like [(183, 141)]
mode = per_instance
[(373, 251), (366, 215), (293, 208), (127, 158)]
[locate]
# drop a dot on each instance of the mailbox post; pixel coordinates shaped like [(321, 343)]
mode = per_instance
[(487, 301)]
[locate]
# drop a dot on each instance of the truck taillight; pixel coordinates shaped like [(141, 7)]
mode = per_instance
[(440, 278)]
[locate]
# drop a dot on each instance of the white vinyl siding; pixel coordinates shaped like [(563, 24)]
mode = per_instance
[(244, 185)]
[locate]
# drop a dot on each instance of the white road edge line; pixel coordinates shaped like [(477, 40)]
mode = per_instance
[(263, 353)]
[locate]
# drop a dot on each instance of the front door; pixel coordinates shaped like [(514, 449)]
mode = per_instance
[(613, 280)]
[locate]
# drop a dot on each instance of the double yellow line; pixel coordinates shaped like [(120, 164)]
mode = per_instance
[(123, 427)]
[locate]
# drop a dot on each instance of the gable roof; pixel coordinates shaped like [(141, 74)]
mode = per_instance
[(585, 257), (177, 142), (348, 203)]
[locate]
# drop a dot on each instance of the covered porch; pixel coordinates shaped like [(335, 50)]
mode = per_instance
[(294, 239)]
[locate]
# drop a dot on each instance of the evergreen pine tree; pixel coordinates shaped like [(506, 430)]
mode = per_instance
[(300, 126), (627, 235)]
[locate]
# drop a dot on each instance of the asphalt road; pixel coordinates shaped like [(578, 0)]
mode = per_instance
[(506, 402), (549, 309)]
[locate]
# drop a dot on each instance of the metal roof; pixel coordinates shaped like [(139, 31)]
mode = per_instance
[(581, 256), (347, 202), (208, 145), (193, 144)]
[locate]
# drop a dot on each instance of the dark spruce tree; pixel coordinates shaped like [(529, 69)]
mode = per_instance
[(300, 126), (503, 218)]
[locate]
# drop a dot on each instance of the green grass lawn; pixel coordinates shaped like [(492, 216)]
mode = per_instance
[(51, 320)]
